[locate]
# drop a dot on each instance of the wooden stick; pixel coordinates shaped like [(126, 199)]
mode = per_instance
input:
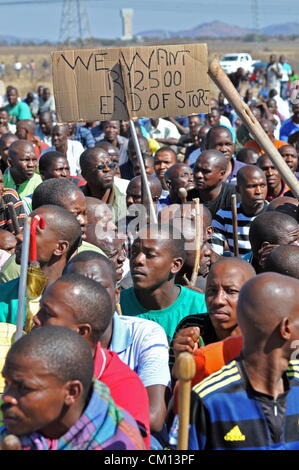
[(23, 279), (182, 193), (198, 240), (145, 184), (244, 112), (13, 216), (118, 309), (235, 223), (185, 370)]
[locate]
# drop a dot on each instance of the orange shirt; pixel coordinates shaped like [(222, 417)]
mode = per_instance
[(254, 145), (211, 358)]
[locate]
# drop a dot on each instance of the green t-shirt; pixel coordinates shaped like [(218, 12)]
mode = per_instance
[(20, 111), (188, 302)]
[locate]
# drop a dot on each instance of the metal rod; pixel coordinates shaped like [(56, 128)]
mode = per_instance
[(23, 278), (153, 215)]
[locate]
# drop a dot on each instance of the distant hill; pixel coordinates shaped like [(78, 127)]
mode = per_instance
[(217, 29)]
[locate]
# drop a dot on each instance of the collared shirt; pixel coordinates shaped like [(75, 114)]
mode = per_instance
[(84, 136), (118, 206), (164, 130), (26, 188), (143, 346)]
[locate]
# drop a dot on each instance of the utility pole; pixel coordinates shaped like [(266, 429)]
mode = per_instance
[(74, 23), (256, 15)]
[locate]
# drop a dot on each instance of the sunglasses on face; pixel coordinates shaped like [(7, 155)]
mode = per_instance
[(101, 166)]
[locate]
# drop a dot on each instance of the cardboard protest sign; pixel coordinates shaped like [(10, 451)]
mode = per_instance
[(151, 81)]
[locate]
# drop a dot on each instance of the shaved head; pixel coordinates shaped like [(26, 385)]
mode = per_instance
[(284, 259), (264, 302), (236, 265), (214, 157), (247, 172), (285, 204)]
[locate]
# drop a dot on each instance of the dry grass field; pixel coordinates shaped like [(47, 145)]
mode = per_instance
[(25, 83)]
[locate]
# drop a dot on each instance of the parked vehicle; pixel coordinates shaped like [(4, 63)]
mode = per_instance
[(231, 62)]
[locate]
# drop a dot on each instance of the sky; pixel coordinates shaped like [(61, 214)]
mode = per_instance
[(42, 19)]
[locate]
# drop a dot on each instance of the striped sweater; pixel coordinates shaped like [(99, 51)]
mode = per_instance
[(227, 414), (223, 230)]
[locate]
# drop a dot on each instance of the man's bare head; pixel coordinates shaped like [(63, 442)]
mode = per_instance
[(267, 313)]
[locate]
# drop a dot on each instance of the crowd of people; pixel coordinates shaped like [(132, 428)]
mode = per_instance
[(119, 304)]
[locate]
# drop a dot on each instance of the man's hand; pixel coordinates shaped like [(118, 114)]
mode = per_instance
[(186, 340)]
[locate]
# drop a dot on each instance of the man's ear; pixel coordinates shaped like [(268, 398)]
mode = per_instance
[(62, 248), (84, 329), (74, 391), (9, 162), (176, 265), (168, 184), (284, 329), (264, 244)]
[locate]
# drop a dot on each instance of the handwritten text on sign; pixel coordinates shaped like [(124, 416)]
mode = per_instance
[(153, 81)]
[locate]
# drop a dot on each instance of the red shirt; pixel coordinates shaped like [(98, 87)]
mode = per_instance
[(126, 388)]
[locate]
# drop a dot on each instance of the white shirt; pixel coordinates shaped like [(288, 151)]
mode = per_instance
[(164, 130), (74, 150), (143, 346)]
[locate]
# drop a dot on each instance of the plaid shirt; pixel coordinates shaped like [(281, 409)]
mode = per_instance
[(102, 426)]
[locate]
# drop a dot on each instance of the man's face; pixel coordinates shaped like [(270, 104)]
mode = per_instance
[(59, 137), (183, 178), (7, 242), (134, 193), (289, 154), (100, 223), (222, 141), (46, 124), (12, 97), (98, 272), (22, 131), (46, 94), (115, 249), (148, 165), (194, 121), (163, 160), (5, 144), (33, 399), (4, 118), (71, 127), (75, 203), (25, 163), (253, 191), (59, 168), (213, 118), (111, 130), (151, 263), (222, 292), (100, 171), (272, 174), (207, 175), (57, 307), (46, 242)]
